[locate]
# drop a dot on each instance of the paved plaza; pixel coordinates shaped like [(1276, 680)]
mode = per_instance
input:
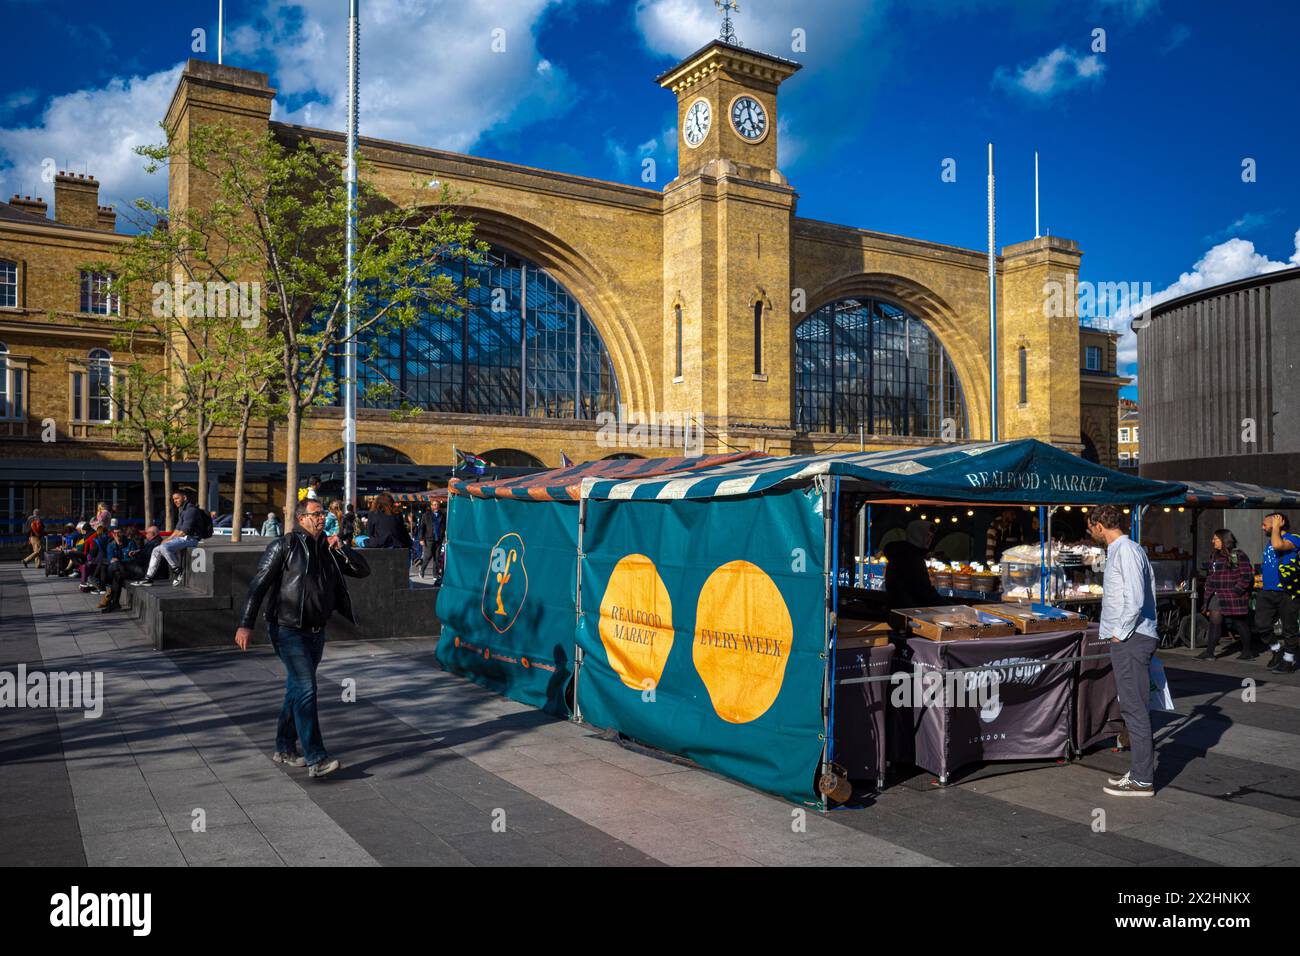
[(438, 771)]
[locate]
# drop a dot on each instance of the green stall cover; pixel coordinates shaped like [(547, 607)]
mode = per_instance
[(507, 597), (1025, 471), (703, 628), (506, 602)]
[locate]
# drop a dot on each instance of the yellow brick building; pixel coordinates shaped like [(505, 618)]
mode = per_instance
[(709, 301)]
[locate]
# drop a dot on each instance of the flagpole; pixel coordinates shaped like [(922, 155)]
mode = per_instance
[(350, 345), (993, 315), (221, 23)]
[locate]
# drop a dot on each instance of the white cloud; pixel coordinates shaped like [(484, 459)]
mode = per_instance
[(94, 131), (437, 83), (1053, 73), (1234, 259), (450, 71)]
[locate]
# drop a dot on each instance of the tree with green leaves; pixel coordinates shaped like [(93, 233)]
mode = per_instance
[(274, 213)]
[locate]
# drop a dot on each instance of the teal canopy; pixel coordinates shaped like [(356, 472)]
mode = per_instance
[(1022, 472)]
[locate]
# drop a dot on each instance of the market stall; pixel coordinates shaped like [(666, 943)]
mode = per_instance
[(740, 563), (506, 603)]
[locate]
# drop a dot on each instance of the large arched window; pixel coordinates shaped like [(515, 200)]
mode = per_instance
[(523, 347), (867, 362), (371, 455), (511, 458)]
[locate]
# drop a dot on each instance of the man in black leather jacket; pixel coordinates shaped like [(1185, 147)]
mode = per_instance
[(302, 572)]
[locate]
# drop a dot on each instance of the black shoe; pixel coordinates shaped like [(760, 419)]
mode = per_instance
[(109, 608), (1286, 667), (1275, 660), (1205, 656), (1243, 656)]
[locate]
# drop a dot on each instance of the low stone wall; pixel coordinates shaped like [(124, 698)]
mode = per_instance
[(203, 612)]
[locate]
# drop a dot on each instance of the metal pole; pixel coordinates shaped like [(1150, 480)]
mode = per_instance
[(862, 547), (993, 314), (1191, 624), (221, 26), (577, 603), (350, 346), (1035, 194)]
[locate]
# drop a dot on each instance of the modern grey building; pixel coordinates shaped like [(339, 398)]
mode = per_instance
[(1219, 379)]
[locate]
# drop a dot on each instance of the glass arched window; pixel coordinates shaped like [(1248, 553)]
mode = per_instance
[(867, 362), (371, 455), (511, 458), (99, 386), (523, 347)]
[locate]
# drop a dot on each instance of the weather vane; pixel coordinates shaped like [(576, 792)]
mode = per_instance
[(728, 35)]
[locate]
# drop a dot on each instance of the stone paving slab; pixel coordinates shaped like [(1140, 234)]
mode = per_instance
[(439, 771)]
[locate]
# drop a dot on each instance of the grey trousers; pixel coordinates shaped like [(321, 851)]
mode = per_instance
[(1131, 661)]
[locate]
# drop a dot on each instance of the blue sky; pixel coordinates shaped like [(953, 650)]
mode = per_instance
[(1141, 145)]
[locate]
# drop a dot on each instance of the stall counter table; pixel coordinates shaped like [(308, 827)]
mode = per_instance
[(1031, 718)]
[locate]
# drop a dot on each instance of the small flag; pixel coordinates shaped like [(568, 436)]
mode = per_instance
[(466, 459), (565, 461)]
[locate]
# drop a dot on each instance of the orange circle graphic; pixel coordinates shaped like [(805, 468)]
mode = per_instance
[(743, 637), (636, 622)]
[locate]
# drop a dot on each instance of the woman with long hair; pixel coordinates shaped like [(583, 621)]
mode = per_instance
[(1227, 594), (387, 529)]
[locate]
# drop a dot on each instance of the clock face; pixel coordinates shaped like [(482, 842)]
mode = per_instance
[(748, 118), (696, 125)]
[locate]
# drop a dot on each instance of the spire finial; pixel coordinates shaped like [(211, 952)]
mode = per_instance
[(727, 34)]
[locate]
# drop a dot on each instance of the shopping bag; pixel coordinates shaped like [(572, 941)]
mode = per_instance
[(1161, 699)]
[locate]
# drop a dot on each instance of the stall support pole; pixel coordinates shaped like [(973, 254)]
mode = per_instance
[(1191, 621), (577, 604), (1052, 595), (830, 555), (868, 551), (1043, 567), (860, 563)]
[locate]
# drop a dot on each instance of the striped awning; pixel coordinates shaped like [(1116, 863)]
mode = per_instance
[(1237, 494), (565, 484), (407, 497), (1026, 471)]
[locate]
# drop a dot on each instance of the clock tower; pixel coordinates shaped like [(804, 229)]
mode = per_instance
[(726, 109), (728, 218)]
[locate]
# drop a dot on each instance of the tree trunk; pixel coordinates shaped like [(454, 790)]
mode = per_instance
[(293, 426), (241, 453), (147, 484), (201, 493), (168, 518)]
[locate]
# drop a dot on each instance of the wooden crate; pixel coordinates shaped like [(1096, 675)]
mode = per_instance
[(1028, 621), (955, 623)]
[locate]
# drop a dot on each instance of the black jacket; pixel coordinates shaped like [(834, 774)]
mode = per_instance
[(431, 526), (907, 579), (290, 566), (387, 531)]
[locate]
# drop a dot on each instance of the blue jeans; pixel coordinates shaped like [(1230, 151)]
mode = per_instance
[(301, 653)]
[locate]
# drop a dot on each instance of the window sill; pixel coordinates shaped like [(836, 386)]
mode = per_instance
[(759, 378), (678, 379)]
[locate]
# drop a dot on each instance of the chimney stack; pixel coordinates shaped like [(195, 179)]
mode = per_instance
[(76, 200), (107, 219), (37, 206)]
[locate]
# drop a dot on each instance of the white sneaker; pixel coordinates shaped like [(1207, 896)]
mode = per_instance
[(324, 768), (1118, 781)]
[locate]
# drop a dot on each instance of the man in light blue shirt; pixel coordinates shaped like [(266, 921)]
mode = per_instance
[(1128, 622)]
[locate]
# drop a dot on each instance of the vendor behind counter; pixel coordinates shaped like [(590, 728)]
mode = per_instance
[(907, 580)]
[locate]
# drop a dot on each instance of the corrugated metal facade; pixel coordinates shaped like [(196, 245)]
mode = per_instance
[(1209, 363)]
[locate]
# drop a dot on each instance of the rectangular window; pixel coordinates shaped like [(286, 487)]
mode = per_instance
[(78, 390), (758, 338), (8, 284), (1092, 358), (1123, 456), (95, 296), (1123, 434), (1135, 434), (678, 311), (1024, 375)]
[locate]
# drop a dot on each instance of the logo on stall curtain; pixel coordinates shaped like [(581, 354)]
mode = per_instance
[(505, 586), (636, 622), (742, 641)]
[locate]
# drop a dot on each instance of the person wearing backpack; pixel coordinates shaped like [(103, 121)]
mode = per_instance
[(193, 525), (34, 528)]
